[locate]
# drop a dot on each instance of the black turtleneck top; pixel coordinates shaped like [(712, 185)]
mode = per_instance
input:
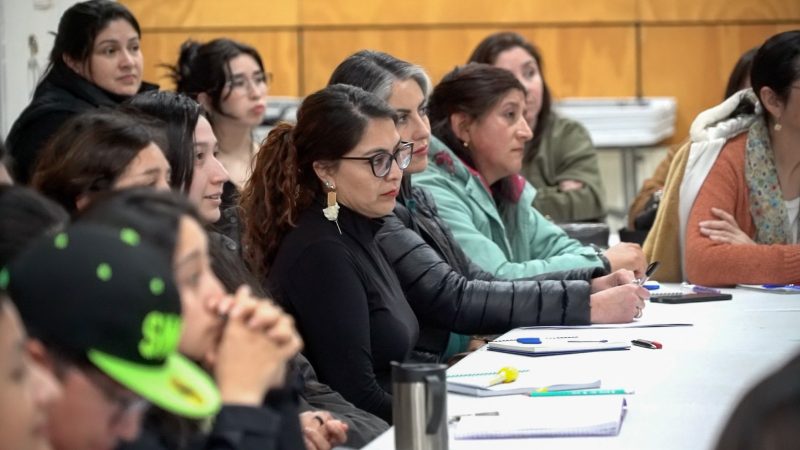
[(348, 305)]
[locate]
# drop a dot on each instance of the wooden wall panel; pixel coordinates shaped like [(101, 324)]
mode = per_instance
[(360, 12), (716, 10), (579, 61), (589, 46), (213, 13), (693, 63), (278, 49)]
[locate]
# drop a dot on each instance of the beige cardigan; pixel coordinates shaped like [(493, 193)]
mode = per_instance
[(663, 241)]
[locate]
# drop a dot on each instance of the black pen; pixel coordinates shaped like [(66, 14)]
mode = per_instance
[(651, 269)]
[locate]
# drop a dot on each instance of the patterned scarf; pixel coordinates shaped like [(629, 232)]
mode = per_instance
[(766, 199)]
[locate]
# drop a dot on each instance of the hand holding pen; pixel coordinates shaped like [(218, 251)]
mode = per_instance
[(651, 269), (617, 278), (620, 304)]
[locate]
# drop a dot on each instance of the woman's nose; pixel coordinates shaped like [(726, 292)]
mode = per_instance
[(524, 131)]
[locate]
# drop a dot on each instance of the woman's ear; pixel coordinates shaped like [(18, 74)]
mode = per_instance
[(205, 100), (39, 353), (324, 171), (460, 124), (76, 66), (771, 102), (83, 201)]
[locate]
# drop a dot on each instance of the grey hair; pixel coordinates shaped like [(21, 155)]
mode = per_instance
[(376, 71)]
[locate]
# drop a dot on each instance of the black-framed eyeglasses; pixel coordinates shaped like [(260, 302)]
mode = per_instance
[(381, 162)]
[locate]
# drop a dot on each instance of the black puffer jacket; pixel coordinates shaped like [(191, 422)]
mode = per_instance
[(61, 94), (449, 293)]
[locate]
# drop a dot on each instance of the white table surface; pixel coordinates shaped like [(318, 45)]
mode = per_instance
[(684, 392)]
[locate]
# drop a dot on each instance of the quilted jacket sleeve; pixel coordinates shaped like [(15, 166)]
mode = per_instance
[(443, 297)]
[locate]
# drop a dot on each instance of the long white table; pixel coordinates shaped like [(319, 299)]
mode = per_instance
[(684, 392)]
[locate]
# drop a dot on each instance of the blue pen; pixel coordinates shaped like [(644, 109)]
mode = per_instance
[(529, 340), (701, 289), (651, 285), (781, 286)]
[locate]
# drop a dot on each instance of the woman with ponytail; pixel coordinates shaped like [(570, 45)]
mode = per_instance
[(228, 79), (312, 209)]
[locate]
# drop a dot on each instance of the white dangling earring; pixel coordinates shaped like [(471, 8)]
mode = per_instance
[(777, 126), (331, 212)]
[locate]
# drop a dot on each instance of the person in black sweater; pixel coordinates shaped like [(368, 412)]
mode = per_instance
[(96, 61), (446, 289), (311, 212), (326, 417)]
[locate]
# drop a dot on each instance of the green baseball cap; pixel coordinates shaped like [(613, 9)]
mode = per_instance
[(102, 292)]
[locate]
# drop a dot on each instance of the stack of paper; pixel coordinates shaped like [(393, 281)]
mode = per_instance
[(521, 417)]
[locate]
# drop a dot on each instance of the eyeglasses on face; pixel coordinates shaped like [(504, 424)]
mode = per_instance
[(124, 404), (242, 82), (381, 162)]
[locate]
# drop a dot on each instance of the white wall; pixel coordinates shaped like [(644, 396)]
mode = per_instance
[(18, 20)]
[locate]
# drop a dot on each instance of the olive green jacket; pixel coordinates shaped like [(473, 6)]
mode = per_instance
[(565, 153)]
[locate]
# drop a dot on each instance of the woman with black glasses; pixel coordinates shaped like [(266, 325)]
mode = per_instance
[(311, 211), (228, 78)]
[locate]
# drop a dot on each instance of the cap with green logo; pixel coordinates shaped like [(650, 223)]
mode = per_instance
[(101, 292)]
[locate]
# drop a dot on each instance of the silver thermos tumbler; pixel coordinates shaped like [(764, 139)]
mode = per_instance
[(419, 406)]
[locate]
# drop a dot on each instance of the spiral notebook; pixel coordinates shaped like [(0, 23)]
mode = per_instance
[(477, 384), (525, 417)]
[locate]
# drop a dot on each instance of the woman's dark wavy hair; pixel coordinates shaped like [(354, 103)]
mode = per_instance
[(79, 26), (180, 115), (487, 51), (473, 89), (89, 152), (206, 68), (330, 123)]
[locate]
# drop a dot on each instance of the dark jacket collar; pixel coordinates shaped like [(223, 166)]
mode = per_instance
[(62, 77)]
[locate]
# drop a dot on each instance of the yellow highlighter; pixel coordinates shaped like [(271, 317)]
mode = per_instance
[(504, 375)]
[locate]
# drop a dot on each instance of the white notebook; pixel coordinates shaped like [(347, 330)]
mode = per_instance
[(526, 382), (523, 417)]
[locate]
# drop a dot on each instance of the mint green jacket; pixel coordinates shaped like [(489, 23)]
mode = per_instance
[(511, 240)]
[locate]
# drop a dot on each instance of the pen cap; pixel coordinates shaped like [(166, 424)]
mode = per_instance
[(419, 406)]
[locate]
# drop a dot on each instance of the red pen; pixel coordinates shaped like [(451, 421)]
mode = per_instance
[(646, 344)]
